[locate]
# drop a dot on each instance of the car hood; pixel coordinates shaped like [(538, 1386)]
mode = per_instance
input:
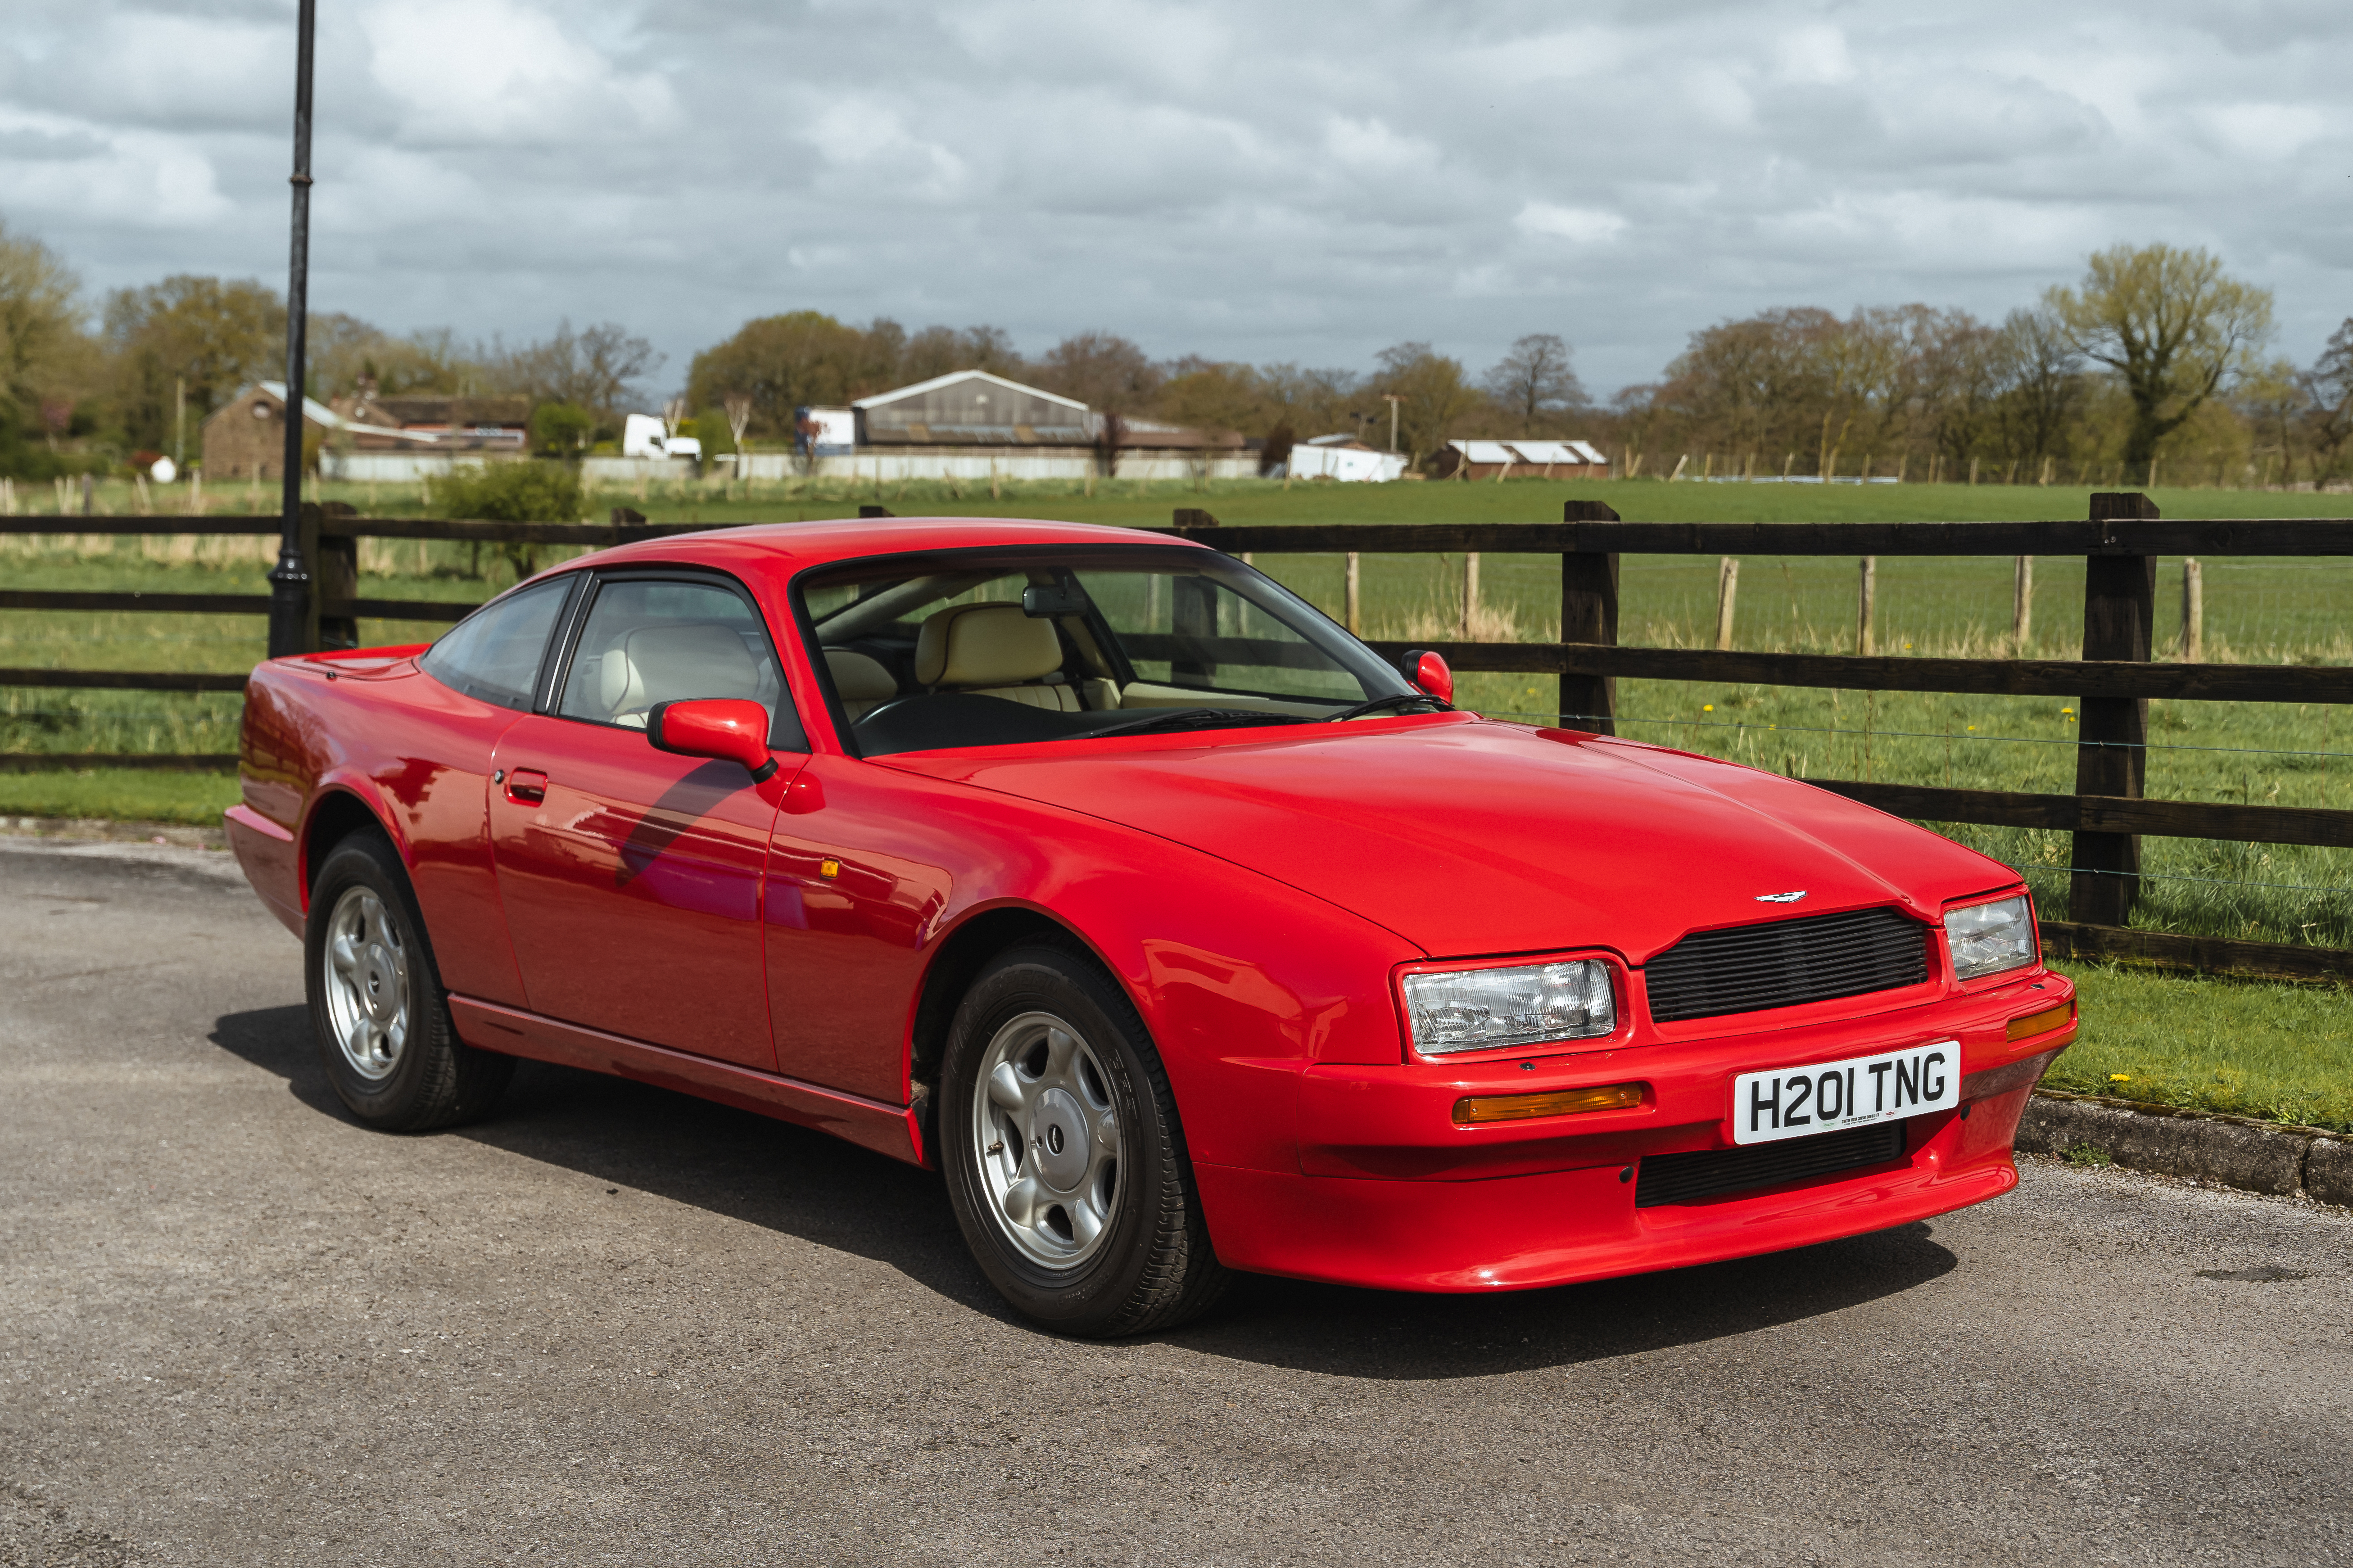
[(1470, 837)]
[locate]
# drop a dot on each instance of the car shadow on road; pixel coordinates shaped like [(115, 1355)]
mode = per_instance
[(727, 1161), (1346, 1332), (834, 1195)]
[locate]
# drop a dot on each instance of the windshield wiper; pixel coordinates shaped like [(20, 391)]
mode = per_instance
[(1198, 718), (1401, 699)]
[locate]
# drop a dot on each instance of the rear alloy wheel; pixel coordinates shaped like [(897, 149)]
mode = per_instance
[(376, 1005), (1065, 1162)]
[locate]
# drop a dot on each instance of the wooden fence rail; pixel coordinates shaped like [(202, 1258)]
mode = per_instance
[(2112, 684)]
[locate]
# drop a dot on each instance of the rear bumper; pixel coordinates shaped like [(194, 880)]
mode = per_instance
[(1556, 1227)]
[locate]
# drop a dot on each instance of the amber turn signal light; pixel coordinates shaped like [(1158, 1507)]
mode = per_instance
[(1558, 1103), (2041, 1023)]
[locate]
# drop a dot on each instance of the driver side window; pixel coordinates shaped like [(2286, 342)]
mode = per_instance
[(649, 641)]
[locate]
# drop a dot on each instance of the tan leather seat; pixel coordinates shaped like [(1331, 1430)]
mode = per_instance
[(861, 682), (993, 650), (672, 664)]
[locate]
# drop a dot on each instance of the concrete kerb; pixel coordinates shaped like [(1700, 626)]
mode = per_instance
[(2233, 1151), (109, 830)]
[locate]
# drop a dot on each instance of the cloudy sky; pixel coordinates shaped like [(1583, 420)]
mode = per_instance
[(1259, 181)]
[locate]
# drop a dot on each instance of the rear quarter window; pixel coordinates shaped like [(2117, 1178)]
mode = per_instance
[(494, 655)]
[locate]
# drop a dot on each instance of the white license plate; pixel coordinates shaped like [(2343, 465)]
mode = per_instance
[(1822, 1097)]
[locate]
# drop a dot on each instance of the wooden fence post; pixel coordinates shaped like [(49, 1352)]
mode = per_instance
[(1727, 593), (1865, 605), (1469, 591), (2112, 752), (1589, 614), (1352, 597), (2193, 612), (306, 535), (2021, 610), (335, 565)]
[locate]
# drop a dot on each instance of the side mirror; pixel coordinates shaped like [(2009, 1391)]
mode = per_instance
[(1429, 671), (730, 729)]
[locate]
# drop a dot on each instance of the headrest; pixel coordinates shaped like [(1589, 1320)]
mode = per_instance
[(858, 679), (673, 664), (986, 645)]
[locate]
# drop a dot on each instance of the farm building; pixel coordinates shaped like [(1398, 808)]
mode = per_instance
[(971, 424), (1526, 459), (398, 438), (392, 438), (246, 436), (1342, 457)]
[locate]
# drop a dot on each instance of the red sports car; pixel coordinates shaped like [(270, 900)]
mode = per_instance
[(1180, 930)]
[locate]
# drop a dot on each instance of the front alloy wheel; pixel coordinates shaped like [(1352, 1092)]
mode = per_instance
[(1065, 1162), (1047, 1140)]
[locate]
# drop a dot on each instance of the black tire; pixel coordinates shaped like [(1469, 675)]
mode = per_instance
[(432, 1078), (1153, 1267)]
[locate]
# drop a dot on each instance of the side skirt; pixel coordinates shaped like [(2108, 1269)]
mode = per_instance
[(869, 1123)]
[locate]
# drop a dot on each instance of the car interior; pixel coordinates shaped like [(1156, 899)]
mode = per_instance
[(930, 654), (651, 642)]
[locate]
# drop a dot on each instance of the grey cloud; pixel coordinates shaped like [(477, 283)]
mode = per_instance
[(1306, 182)]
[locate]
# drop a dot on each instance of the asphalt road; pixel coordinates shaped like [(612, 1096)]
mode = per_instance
[(615, 1325)]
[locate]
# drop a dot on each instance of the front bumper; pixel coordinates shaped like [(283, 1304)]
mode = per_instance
[(1390, 1193)]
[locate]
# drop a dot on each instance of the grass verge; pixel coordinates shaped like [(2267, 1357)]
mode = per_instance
[(2254, 1048)]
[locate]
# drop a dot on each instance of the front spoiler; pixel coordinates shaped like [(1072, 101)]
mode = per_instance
[(1557, 1227)]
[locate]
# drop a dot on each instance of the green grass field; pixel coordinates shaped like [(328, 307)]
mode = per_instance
[(2280, 1053), (2257, 1049)]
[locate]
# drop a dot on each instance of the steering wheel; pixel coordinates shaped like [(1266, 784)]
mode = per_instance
[(884, 707)]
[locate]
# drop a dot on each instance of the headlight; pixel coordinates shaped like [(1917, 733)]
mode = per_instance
[(1987, 939), (1486, 1009)]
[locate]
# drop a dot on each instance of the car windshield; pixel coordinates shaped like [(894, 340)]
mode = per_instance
[(1013, 647)]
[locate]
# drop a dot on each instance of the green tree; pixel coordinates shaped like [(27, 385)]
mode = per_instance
[(1436, 396), (711, 428), (40, 334), (2171, 325), (784, 363), (561, 429), (219, 335), (508, 492)]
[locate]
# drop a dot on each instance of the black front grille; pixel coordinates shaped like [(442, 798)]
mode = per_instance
[(1784, 962), (1688, 1178)]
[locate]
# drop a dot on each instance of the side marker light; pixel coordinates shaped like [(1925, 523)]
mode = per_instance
[(2040, 1023), (828, 869), (1478, 1108)]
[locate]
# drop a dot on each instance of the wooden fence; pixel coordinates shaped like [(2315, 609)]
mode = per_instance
[(2112, 684)]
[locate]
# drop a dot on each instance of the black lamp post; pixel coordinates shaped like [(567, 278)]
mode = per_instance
[(289, 580)]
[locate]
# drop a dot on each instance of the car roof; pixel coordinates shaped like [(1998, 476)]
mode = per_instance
[(768, 547)]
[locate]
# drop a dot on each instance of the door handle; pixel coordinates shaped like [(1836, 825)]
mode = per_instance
[(526, 786)]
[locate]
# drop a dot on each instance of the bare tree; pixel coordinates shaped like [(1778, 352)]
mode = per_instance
[(2043, 381), (2329, 385), (1534, 378), (2171, 325), (739, 419), (1111, 374), (598, 369)]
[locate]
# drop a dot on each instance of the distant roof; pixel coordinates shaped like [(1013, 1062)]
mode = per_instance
[(316, 411), (952, 378), (1529, 451), (465, 411), (1358, 442)]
